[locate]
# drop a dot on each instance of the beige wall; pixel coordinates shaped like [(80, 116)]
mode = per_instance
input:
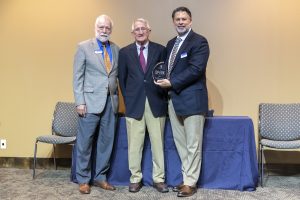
[(254, 55)]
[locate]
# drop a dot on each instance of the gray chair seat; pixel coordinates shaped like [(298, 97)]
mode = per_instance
[(279, 129), (64, 129), (281, 144), (54, 139)]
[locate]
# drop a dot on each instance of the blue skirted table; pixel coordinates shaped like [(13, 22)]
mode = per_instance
[(228, 159)]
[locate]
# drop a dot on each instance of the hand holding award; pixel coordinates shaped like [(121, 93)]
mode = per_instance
[(160, 71)]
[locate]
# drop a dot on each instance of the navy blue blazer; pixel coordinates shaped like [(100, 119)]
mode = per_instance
[(189, 92), (136, 85)]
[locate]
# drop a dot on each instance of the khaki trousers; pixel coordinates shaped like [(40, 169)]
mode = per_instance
[(188, 133), (136, 130)]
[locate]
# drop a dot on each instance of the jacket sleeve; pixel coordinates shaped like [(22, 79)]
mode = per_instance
[(122, 72), (78, 76)]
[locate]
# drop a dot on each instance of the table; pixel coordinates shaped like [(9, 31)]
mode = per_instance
[(229, 158)]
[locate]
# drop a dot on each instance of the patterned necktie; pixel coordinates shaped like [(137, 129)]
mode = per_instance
[(142, 59), (173, 55), (106, 59)]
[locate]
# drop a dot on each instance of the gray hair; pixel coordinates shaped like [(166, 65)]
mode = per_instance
[(99, 18), (142, 21)]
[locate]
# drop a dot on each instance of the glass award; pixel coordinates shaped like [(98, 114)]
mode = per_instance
[(159, 71)]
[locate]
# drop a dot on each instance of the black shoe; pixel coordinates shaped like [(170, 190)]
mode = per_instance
[(135, 187), (161, 187)]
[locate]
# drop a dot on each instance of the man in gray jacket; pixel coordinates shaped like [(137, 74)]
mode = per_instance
[(95, 92)]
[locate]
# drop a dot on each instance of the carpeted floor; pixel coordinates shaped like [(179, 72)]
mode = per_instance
[(51, 184)]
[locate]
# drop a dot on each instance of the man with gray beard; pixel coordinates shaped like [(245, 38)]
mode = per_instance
[(95, 92)]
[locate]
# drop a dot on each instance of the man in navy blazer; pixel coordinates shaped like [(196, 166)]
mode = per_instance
[(145, 104), (188, 100)]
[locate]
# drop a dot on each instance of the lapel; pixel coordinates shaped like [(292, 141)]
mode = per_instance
[(114, 55), (169, 49), (134, 57), (182, 47), (150, 57), (99, 56)]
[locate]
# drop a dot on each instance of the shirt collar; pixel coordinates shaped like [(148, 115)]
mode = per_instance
[(100, 43), (185, 35), (139, 46)]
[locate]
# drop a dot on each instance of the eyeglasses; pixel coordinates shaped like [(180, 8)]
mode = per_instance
[(143, 29), (101, 28)]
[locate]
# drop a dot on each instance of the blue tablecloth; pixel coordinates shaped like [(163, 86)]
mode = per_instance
[(229, 156)]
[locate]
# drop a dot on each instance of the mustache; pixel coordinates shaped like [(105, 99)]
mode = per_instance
[(104, 35)]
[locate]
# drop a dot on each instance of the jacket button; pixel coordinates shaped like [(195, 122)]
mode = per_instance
[(145, 81)]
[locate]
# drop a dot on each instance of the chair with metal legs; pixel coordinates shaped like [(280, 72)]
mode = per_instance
[(279, 129), (64, 129)]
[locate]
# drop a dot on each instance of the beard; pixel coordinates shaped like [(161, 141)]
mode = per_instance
[(102, 37), (181, 30)]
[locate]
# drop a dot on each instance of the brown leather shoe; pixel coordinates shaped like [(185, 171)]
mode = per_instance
[(135, 187), (161, 187), (84, 188), (104, 185), (177, 187), (187, 191)]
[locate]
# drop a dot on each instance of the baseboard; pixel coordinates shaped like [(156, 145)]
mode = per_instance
[(27, 163)]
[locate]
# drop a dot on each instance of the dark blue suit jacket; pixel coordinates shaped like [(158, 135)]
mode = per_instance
[(189, 91), (136, 85)]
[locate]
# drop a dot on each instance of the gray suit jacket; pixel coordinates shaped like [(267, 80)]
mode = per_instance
[(91, 83)]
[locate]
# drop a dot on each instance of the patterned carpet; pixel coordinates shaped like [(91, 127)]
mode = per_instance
[(51, 184)]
